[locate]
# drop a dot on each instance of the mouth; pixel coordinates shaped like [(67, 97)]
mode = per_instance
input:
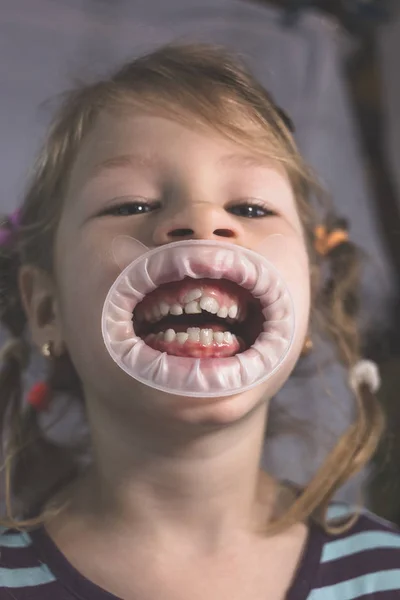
[(199, 318)]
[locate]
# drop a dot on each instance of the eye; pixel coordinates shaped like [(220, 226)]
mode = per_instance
[(251, 209), (126, 209)]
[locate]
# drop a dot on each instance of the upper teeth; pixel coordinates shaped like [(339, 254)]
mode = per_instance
[(193, 303)]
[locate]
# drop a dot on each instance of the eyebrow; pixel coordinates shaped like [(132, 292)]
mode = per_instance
[(149, 162), (126, 161)]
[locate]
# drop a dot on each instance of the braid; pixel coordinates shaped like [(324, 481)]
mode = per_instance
[(26, 451), (340, 297)]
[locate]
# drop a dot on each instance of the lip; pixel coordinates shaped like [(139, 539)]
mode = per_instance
[(195, 376)]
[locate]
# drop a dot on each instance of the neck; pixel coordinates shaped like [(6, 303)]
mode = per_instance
[(164, 479)]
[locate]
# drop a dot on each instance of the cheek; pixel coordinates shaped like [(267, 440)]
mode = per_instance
[(293, 263), (85, 272)]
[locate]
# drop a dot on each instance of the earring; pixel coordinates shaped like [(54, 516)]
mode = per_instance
[(47, 350), (307, 347)]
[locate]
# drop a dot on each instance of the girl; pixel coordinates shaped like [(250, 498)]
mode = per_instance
[(180, 145)]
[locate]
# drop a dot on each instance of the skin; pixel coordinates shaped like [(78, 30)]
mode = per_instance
[(175, 483)]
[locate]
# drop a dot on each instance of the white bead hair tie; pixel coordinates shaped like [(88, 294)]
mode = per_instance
[(365, 372)]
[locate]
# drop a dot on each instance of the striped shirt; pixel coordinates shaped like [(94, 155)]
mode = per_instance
[(362, 563)]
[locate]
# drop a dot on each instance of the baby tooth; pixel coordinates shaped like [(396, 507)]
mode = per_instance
[(192, 295), (233, 311), (164, 308), (181, 337), (218, 337), (156, 312), (169, 335), (192, 308), (223, 312), (194, 334), (206, 337), (176, 309), (228, 339), (209, 304)]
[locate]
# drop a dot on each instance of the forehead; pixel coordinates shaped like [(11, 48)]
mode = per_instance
[(158, 138)]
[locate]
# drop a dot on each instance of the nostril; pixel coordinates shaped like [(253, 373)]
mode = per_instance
[(181, 232), (227, 233)]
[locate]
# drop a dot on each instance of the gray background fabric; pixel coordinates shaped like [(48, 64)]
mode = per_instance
[(389, 48), (45, 45)]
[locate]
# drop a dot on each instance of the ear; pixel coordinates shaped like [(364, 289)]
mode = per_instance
[(39, 299)]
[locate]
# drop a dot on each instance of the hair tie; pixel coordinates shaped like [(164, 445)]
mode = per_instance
[(9, 228), (325, 242), (365, 372), (39, 396)]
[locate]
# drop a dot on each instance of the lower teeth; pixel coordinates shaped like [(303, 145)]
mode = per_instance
[(196, 335)]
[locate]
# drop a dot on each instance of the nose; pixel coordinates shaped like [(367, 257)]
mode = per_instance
[(200, 220)]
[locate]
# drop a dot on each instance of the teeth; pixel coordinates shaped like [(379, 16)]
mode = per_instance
[(192, 308), (192, 295), (169, 335), (223, 312), (156, 312), (228, 338), (218, 337), (164, 308), (182, 337), (206, 337), (176, 309), (233, 311), (209, 304), (194, 334), (241, 315)]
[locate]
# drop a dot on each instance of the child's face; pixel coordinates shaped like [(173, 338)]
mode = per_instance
[(173, 183)]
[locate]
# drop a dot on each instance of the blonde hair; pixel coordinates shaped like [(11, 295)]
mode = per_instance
[(203, 86)]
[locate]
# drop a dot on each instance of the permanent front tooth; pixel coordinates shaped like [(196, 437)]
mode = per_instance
[(233, 311), (194, 334), (169, 335), (181, 337), (206, 337), (176, 309), (192, 295), (223, 312), (192, 308), (218, 337), (228, 338), (164, 308), (209, 304)]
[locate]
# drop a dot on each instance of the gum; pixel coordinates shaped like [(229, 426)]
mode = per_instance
[(194, 349)]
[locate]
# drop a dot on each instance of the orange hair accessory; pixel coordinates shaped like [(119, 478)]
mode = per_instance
[(39, 396), (325, 242)]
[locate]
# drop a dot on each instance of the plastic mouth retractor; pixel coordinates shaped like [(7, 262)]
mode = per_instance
[(197, 259)]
